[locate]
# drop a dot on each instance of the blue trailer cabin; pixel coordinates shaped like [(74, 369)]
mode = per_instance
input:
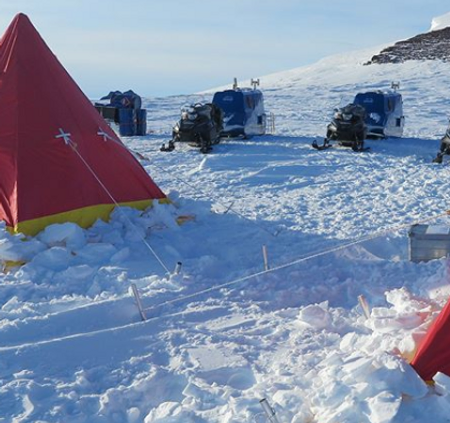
[(384, 113), (243, 111)]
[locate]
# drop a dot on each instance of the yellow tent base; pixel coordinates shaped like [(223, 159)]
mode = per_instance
[(84, 217), (8, 265)]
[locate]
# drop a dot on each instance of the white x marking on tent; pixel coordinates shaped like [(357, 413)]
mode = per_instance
[(64, 135), (105, 136)]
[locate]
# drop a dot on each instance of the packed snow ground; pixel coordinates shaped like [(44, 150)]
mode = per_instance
[(223, 334)]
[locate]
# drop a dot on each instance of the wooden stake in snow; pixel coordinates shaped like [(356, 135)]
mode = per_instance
[(364, 306), (138, 302), (266, 260), (177, 268), (270, 412)]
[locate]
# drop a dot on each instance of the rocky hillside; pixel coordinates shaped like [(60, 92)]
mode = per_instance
[(434, 45)]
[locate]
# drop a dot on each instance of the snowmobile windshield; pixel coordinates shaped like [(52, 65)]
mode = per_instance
[(347, 116), (352, 111), (188, 113)]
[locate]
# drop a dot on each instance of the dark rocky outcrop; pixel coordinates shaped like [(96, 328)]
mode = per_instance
[(434, 45)]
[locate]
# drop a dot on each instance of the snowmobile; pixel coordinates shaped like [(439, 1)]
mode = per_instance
[(348, 128), (444, 147), (200, 126)]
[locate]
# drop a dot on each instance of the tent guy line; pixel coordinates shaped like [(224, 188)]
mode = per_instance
[(71, 143)]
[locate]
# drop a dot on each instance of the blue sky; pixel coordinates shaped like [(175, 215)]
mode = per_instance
[(166, 47)]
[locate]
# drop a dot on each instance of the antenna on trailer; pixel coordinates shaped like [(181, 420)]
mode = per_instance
[(255, 83), (395, 86), (235, 85)]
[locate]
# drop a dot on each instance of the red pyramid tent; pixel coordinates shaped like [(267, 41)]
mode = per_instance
[(59, 160), (433, 354)]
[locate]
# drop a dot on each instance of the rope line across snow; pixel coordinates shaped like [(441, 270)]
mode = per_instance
[(299, 260)]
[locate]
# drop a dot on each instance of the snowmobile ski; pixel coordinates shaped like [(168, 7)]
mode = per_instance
[(361, 150), (326, 145), (170, 146), (323, 146), (439, 158)]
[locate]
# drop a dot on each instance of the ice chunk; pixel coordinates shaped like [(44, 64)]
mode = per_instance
[(442, 383), (383, 407), (67, 234), (315, 315)]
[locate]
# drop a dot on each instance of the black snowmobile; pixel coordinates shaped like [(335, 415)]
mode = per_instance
[(444, 147), (348, 128), (200, 126)]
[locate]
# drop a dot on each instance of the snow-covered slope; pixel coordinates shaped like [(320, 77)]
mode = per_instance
[(224, 333)]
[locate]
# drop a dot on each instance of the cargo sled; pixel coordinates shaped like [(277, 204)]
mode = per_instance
[(384, 113), (124, 109), (200, 126), (243, 111), (347, 128)]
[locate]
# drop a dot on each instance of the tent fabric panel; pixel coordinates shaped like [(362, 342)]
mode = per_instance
[(91, 177)]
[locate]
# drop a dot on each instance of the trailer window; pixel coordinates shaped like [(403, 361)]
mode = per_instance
[(390, 105)]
